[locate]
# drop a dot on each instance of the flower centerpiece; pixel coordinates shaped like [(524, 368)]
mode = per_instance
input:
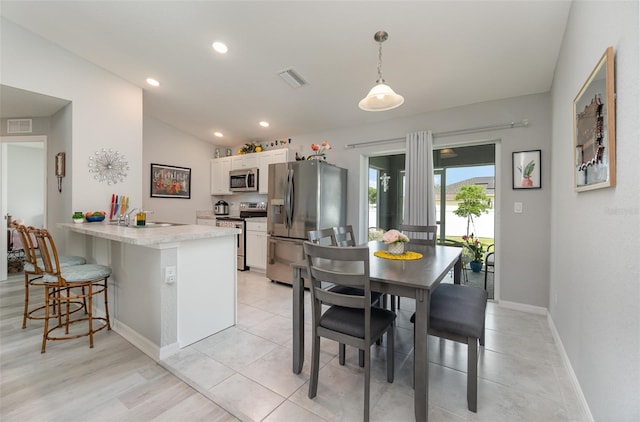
[(395, 241), (319, 151), (477, 250)]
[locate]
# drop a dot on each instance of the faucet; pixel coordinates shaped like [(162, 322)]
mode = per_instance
[(127, 216)]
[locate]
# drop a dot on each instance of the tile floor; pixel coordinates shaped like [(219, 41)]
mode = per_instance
[(246, 369)]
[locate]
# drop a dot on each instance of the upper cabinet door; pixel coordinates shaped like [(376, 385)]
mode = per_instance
[(220, 168), (244, 161), (264, 159)]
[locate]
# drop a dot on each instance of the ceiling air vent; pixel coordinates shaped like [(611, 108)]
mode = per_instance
[(19, 125), (293, 78)]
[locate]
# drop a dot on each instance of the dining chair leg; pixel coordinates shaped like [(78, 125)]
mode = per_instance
[(361, 358), (315, 366), (341, 353), (390, 360), (472, 376), (367, 381)]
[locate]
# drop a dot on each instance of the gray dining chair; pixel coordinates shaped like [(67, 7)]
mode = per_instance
[(350, 319), (344, 236), (322, 237), (329, 237), (419, 235), (423, 235)]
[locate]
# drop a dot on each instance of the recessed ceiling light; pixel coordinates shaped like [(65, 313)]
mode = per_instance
[(153, 82), (220, 47), (264, 124), (218, 134)]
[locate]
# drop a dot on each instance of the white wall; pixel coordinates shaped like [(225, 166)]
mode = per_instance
[(107, 111), (523, 241), (595, 270), (164, 144)]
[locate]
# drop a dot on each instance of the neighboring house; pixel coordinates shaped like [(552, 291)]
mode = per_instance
[(488, 182)]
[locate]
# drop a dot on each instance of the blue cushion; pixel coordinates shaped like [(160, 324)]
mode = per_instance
[(65, 261), (77, 273)]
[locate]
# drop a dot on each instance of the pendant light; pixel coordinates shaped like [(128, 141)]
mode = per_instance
[(381, 97)]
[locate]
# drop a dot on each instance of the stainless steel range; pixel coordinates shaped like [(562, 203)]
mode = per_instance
[(247, 210)]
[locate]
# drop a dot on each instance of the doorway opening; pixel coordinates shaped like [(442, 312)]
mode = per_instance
[(454, 167)]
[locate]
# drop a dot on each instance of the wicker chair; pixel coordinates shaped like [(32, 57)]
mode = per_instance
[(33, 271), (65, 285)]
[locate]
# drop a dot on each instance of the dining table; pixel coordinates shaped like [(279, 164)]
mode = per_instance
[(415, 278)]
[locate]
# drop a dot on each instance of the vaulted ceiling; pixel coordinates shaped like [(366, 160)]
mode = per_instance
[(439, 54)]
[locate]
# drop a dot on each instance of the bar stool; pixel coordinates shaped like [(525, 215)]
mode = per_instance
[(65, 285), (33, 270)]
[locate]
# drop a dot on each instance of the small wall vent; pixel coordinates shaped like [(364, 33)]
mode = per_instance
[(19, 125), (293, 78)]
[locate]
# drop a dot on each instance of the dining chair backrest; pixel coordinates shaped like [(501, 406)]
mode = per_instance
[(424, 235), (344, 236), (324, 264), (322, 237)]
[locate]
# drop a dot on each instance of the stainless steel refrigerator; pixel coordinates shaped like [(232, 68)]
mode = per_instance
[(303, 196)]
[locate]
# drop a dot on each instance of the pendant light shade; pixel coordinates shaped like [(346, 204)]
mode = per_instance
[(381, 97)]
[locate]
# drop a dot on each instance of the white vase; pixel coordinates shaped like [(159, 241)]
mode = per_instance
[(396, 248)]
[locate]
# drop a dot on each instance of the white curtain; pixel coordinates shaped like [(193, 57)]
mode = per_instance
[(419, 208)]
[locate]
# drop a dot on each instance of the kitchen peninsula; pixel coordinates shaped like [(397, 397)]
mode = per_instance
[(154, 309)]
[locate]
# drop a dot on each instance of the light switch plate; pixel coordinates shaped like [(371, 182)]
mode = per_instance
[(517, 207)]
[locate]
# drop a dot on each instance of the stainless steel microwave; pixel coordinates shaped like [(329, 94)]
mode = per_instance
[(243, 180)]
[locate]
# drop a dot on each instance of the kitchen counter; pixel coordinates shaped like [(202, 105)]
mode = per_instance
[(169, 287), (149, 235)]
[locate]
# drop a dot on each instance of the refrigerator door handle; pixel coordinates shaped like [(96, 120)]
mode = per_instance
[(288, 200)]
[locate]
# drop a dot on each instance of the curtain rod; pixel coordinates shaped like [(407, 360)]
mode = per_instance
[(510, 125)]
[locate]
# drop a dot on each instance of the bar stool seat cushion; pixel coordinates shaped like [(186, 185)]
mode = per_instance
[(65, 261), (80, 273)]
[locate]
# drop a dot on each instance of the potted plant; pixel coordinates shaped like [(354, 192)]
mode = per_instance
[(395, 241), (477, 251)]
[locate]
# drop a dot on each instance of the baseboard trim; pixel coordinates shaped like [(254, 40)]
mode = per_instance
[(530, 309), (567, 364), (133, 337)]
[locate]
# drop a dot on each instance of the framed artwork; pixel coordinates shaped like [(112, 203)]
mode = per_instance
[(526, 169), (594, 128), (170, 181)]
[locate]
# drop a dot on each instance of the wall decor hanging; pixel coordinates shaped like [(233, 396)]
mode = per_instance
[(108, 166), (594, 128), (170, 181), (60, 168), (526, 169)]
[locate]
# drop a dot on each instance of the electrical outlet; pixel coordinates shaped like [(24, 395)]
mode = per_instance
[(517, 207), (170, 275)]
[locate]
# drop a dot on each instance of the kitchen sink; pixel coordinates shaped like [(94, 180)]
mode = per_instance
[(152, 224)]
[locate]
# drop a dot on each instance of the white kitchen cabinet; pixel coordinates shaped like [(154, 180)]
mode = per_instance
[(256, 244), (245, 161), (220, 168), (265, 158)]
